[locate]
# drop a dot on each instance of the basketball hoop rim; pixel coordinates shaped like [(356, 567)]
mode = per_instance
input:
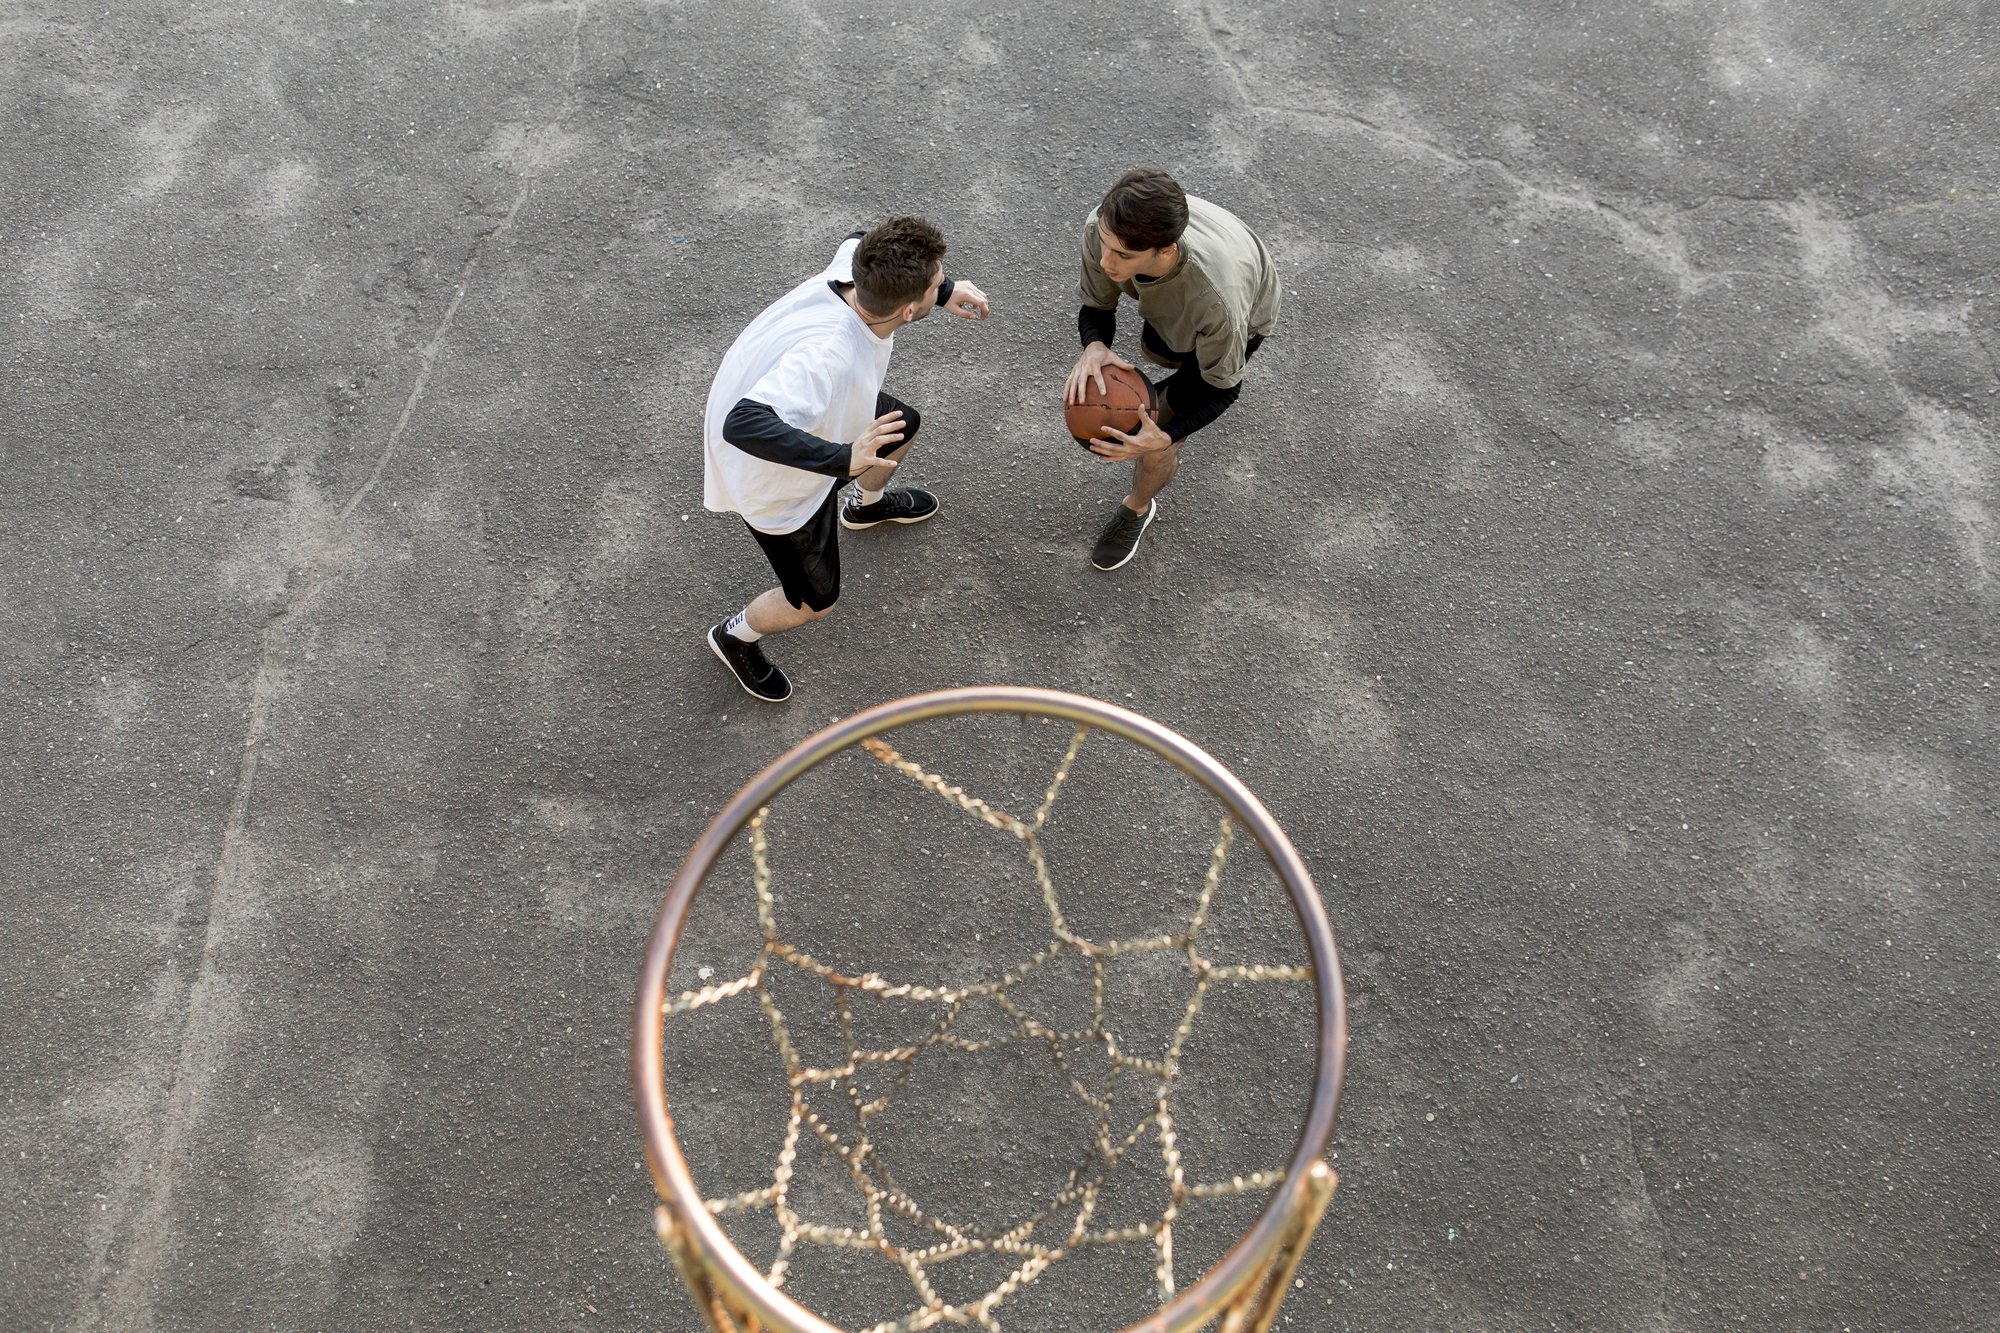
[(1251, 1257)]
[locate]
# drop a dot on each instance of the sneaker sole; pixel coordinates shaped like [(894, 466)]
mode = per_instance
[(1152, 512), (716, 648), (876, 523)]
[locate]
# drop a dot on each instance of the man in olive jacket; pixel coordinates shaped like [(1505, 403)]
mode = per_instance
[(1207, 293)]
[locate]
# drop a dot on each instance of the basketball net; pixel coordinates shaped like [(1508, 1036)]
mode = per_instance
[(1134, 1124)]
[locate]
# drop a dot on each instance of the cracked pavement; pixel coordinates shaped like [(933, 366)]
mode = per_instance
[(1596, 577)]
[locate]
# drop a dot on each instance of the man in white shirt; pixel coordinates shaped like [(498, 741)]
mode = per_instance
[(797, 409)]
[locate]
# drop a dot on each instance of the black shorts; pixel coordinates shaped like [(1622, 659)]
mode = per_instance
[(1154, 343), (807, 559), (1185, 394)]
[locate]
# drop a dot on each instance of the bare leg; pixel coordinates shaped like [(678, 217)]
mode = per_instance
[(1150, 475), (877, 477), (770, 613)]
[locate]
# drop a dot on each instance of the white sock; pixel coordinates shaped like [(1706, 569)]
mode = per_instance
[(868, 497), (738, 627)]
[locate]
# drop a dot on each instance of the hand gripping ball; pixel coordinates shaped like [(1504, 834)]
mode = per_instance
[(1125, 392)]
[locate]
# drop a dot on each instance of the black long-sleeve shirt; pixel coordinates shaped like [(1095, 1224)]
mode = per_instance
[(758, 430)]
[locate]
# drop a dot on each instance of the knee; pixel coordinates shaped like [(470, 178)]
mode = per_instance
[(913, 421), (814, 596)]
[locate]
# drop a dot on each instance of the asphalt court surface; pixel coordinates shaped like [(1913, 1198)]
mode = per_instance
[(1596, 578)]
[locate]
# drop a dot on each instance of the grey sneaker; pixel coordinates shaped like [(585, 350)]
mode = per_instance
[(753, 671), (1120, 541), (911, 505)]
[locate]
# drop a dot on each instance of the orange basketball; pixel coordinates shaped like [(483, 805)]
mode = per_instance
[(1125, 392)]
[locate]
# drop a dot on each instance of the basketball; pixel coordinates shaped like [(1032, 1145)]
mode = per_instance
[(1125, 392)]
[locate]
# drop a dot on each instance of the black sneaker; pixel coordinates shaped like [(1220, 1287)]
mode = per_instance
[(752, 669), (906, 506), (1120, 541)]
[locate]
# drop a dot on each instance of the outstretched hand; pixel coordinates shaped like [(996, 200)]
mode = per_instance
[(1147, 439), (884, 432), (967, 301)]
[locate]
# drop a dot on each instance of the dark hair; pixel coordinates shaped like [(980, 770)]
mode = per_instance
[(894, 263), (1146, 209)]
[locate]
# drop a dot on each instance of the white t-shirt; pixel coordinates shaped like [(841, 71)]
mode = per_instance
[(812, 360)]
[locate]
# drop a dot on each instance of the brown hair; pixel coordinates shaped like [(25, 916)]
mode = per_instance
[(1146, 209), (894, 263)]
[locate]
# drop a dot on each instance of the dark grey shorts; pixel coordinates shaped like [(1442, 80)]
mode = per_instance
[(807, 559)]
